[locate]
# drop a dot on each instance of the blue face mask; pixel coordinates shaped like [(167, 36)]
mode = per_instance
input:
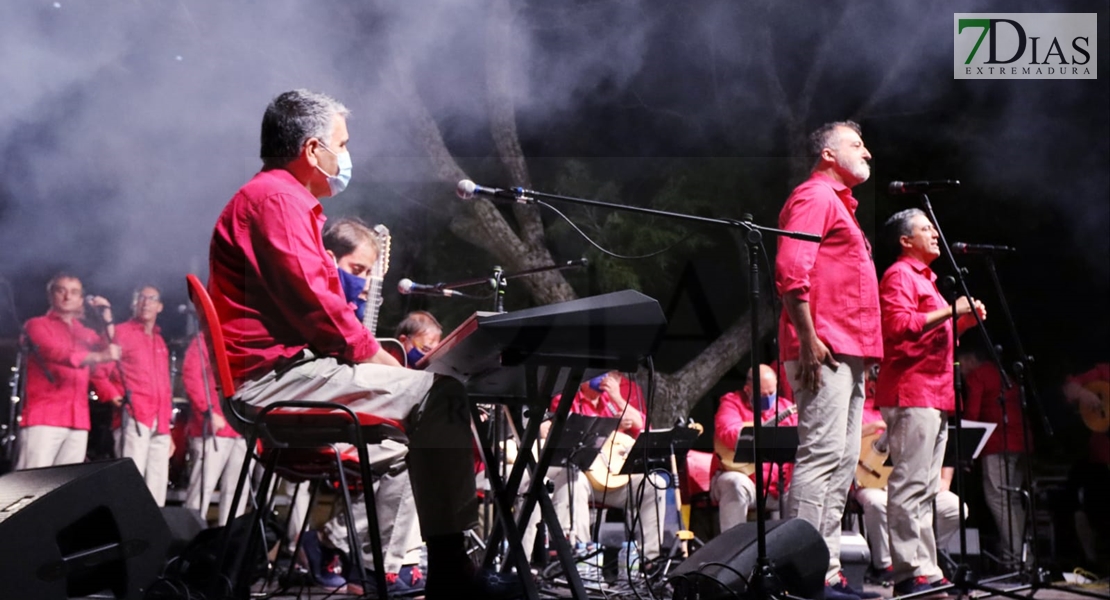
[(352, 287), (595, 383), (413, 356), (766, 402), (338, 182)]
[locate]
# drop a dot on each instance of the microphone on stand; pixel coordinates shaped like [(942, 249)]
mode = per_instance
[(467, 189), (962, 248), (922, 187), (406, 286)]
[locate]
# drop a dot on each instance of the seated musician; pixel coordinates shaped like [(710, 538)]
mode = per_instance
[(1089, 478), (290, 334), (733, 485), (644, 500), (873, 501), (354, 248), (419, 334)]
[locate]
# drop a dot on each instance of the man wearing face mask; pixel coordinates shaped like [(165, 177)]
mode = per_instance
[(419, 334), (733, 485), (290, 333), (354, 248)]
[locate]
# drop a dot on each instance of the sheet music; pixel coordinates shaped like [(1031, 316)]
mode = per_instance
[(990, 427)]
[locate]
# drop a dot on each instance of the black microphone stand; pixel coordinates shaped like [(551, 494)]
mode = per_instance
[(763, 581), (125, 405)]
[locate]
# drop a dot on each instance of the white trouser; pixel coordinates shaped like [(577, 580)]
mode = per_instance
[(215, 462), (47, 445), (149, 450), (828, 449)]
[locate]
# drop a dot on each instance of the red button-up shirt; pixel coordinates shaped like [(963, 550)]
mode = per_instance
[(275, 289), (59, 348), (984, 385), (145, 366), (836, 276), (917, 365), (605, 407), (197, 374), (733, 414)]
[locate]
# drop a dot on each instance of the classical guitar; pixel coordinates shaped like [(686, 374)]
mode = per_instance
[(604, 474), (374, 294), (726, 454), (1097, 417), (871, 469)]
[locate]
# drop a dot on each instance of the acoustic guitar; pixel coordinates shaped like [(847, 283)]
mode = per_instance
[(726, 454), (871, 469), (374, 297), (1097, 418), (604, 474)]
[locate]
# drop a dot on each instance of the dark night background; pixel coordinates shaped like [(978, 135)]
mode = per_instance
[(125, 127)]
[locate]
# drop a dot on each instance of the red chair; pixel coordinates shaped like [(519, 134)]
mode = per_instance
[(297, 436)]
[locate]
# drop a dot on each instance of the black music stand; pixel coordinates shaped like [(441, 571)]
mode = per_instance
[(582, 440), (971, 436), (776, 444), (652, 450)]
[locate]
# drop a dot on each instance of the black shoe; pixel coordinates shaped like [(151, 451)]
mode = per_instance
[(844, 586), (883, 577), (485, 584)]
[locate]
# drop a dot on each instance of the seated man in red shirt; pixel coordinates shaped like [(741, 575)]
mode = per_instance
[(609, 395), (733, 485), (63, 356), (290, 332)]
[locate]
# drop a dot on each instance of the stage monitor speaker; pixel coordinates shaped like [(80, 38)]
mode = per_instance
[(75, 531), (720, 569)]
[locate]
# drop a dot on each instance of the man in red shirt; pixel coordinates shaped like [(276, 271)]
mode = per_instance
[(216, 448), (291, 334), (610, 395), (1002, 455), (829, 330), (144, 373), (1089, 479), (64, 355), (733, 487), (915, 394)]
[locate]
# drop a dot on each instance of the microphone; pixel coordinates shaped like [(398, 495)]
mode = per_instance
[(89, 299), (185, 309), (406, 286), (962, 248), (467, 189), (922, 187)]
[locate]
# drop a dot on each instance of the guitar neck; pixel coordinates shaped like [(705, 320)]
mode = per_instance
[(373, 305)]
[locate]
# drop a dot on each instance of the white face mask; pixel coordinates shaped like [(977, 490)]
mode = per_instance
[(338, 182)]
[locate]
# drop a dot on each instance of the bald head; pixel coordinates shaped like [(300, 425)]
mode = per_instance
[(768, 381)]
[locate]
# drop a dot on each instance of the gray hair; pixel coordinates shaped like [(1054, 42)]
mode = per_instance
[(901, 223), (827, 135), (291, 119)]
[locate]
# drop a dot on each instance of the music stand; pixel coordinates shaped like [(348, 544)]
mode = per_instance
[(652, 450), (582, 440), (973, 434), (777, 444)]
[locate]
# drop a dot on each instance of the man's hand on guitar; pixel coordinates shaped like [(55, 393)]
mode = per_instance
[(872, 428), (381, 357)]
